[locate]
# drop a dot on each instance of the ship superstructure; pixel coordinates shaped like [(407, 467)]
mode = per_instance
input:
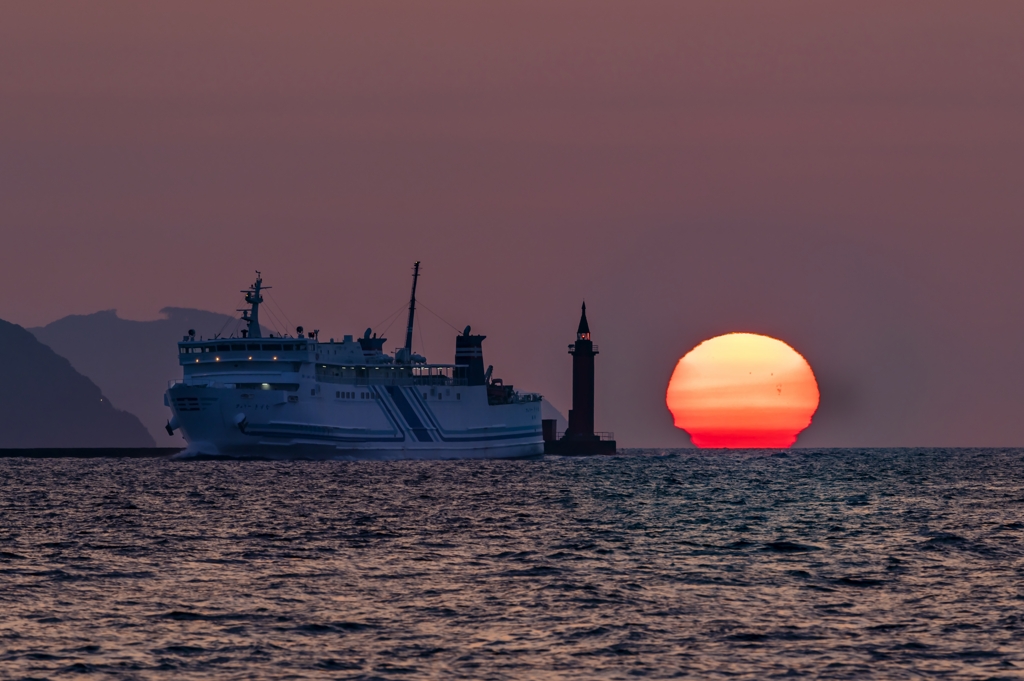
[(298, 397)]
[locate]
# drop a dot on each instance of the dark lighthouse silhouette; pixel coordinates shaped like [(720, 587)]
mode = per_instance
[(579, 439)]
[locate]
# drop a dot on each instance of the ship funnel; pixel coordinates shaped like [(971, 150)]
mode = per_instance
[(469, 358), (371, 346)]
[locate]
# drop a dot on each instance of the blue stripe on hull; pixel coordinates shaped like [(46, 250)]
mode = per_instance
[(325, 451), (421, 433), (440, 431), (330, 433)]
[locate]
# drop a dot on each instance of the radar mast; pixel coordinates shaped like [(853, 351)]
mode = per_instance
[(251, 315)]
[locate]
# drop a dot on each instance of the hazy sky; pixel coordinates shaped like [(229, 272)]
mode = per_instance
[(848, 177)]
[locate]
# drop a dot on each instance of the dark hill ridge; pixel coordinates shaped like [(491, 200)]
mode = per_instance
[(132, 361), (44, 402)]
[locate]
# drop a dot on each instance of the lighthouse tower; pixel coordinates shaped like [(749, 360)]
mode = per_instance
[(581, 416), (580, 438)]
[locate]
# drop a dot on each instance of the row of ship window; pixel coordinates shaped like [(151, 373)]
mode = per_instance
[(348, 395), (447, 391)]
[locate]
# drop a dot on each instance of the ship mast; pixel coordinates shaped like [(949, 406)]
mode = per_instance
[(252, 315), (412, 309)]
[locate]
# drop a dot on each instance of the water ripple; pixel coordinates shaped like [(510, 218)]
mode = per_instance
[(827, 564)]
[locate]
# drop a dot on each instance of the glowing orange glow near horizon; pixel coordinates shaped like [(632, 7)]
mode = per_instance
[(742, 390)]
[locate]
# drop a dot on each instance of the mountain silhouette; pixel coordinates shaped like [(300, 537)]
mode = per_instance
[(44, 402), (133, 361)]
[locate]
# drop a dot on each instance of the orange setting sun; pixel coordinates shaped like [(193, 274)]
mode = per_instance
[(742, 390)]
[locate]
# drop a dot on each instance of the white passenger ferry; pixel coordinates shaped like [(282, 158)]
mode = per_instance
[(298, 397)]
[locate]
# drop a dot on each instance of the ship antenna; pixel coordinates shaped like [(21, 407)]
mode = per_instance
[(412, 309)]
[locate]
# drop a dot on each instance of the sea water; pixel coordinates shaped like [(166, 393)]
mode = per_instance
[(838, 564)]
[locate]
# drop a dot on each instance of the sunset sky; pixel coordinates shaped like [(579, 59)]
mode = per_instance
[(844, 177)]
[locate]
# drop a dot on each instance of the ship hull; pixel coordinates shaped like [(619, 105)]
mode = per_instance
[(354, 422)]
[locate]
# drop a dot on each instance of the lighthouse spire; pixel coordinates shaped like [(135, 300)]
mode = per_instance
[(583, 331)]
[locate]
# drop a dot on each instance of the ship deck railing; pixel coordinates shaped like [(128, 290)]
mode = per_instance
[(433, 381)]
